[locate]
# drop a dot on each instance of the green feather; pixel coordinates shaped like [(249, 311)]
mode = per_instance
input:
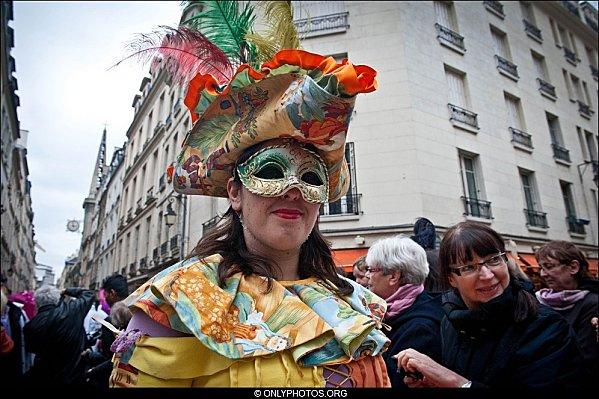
[(281, 32), (225, 23)]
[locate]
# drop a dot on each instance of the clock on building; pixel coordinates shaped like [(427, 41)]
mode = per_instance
[(73, 225)]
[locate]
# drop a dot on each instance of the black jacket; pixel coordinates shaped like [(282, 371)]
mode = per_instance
[(488, 347), (57, 337), (417, 327)]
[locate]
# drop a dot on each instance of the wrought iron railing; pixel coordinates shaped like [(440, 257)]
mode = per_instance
[(507, 66), (210, 224), (594, 72), (450, 36), (176, 107), (346, 205), (175, 244), (584, 109), (142, 264), (532, 30), (495, 6), (546, 87), (139, 207), (571, 7), (163, 248), (477, 208), (129, 215), (462, 115), (560, 152), (168, 121), (162, 182), (155, 253), (322, 23), (536, 218), (150, 195), (132, 269), (158, 128), (574, 225), (570, 55), (520, 137)]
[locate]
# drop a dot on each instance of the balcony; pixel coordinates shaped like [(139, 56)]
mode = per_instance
[(132, 270), (210, 224), (594, 72), (547, 89), (346, 205), (322, 25), (175, 245), (521, 139), (532, 31), (129, 215), (177, 107), (164, 249), (155, 254), (463, 118), (450, 39), (150, 195), (507, 68), (560, 153), (477, 208), (536, 219), (162, 182), (168, 122), (159, 128), (143, 264), (570, 56), (571, 7), (495, 7), (576, 225), (139, 207), (584, 110)]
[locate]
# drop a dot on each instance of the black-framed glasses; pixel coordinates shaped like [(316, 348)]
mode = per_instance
[(473, 268)]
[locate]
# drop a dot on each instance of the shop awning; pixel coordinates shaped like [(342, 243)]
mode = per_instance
[(345, 258)]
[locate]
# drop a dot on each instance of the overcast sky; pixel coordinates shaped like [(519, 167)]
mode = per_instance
[(63, 51)]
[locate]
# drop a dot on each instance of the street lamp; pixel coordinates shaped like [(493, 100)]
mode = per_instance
[(170, 215)]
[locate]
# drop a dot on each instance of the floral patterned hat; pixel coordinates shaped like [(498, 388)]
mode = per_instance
[(296, 94)]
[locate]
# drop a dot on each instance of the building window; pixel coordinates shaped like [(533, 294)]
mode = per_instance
[(592, 62), (349, 203), (502, 54), (545, 87), (568, 86), (317, 18), (554, 32), (530, 24), (591, 142), (474, 202), (459, 113), (575, 225), (520, 138), (532, 211), (560, 153), (447, 27)]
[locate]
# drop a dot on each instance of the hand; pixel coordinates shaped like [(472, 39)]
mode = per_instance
[(433, 374)]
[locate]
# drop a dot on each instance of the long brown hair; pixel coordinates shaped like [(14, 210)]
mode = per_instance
[(466, 239), (227, 240)]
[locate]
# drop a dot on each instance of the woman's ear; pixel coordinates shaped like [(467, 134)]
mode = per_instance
[(574, 266), (452, 281), (234, 191)]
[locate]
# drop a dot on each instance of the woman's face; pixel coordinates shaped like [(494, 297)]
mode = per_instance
[(279, 224), (384, 285), (483, 285), (558, 276)]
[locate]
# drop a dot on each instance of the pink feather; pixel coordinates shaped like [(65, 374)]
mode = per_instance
[(186, 52)]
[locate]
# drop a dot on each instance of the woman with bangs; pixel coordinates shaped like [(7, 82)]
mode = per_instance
[(494, 333)]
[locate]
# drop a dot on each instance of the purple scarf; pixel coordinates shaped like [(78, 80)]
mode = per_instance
[(560, 300), (402, 299)]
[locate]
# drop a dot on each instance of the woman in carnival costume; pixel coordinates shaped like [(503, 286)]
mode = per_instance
[(259, 301)]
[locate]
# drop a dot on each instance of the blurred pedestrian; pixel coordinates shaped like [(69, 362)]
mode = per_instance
[(56, 335), (18, 361), (359, 271), (571, 292), (397, 271), (494, 333), (425, 235)]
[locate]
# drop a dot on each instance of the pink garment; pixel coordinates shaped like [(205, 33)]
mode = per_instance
[(560, 300), (103, 303), (402, 299), (28, 300)]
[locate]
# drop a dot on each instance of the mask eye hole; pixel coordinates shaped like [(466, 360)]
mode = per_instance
[(312, 179), (270, 172)]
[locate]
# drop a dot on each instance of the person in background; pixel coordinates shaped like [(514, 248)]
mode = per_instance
[(494, 333), (6, 343), (56, 335), (359, 271), (572, 293), (425, 235), (397, 271), (18, 361)]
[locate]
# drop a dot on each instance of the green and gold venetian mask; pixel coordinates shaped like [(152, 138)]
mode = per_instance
[(274, 170)]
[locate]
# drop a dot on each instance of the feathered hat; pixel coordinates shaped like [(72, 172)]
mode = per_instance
[(244, 88)]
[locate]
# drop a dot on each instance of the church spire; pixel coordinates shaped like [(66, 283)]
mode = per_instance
[(100, 167)]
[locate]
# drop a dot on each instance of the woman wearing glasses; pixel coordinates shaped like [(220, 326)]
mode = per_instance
[(494, 333), (572, 293)]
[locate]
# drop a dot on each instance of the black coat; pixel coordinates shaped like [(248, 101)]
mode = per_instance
[(489, 348), (417, 327), (57, 337)]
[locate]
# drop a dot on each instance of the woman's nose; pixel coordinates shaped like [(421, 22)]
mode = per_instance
[(293, 194), (485, 272)]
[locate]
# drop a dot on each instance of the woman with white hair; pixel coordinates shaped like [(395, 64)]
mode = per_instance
[(397, 269)]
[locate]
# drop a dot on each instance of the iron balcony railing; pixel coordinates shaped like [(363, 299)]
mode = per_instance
[(575, 225), (536, 218), (571, 7), (168, 121), (594, 72), (210, 224), (584, 109), (322, 23), (176, 107), (560, 152), (142, 264), (132, 269), (450, 36), (546, 87), (507, 66), (163, 248), (570, 56), (346, 205), (462, 115), (129, 215), (520, 137), (532, 30), (139, 207), (477, 208), (158, 128), (150, 195), (175, 244), (162, 182), (495, 6), (155, 253)]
